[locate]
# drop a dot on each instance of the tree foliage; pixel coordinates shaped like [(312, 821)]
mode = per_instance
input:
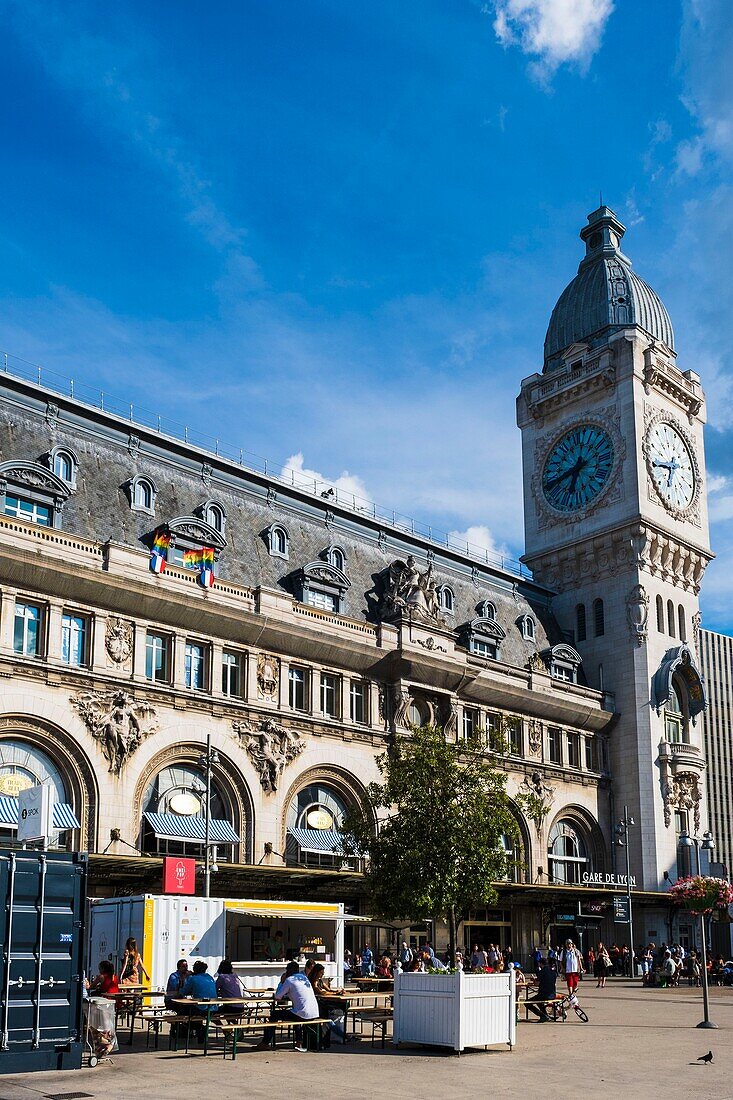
[(442, 812)]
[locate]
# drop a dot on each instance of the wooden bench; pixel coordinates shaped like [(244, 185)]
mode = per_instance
[(236, 1028), (378, 1018)]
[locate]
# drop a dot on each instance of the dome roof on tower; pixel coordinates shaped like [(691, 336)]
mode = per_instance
[(605, 294)]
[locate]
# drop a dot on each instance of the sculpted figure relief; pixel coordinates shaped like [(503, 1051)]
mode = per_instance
[(117, 721), (410, 592), (270, 748), (118, 640)]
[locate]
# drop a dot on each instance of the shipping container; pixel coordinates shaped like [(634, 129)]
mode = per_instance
[(43, 896)]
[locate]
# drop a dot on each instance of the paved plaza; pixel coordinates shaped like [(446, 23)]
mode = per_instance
[(638, 1043)]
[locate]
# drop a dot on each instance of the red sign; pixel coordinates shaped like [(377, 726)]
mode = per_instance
[(179, 875)]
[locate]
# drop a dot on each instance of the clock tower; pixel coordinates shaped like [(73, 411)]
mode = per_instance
[(616, 524)]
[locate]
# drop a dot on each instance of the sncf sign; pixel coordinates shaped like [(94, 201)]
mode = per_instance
[(179, 875)]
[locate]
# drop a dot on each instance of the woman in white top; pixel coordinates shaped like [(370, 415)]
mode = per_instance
[(572, 965)]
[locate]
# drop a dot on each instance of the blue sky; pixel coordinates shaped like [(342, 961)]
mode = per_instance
[(332, 233)]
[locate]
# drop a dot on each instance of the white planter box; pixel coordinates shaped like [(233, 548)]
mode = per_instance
[(455, 1010)]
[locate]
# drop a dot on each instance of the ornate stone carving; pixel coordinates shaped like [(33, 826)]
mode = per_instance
[(401, 700), (534, 736), (271, 496), (431, 644), (133, 444), (535, 663), (410, 592), (696, 624), (268, 675), (637, 613), (382, 703), (382, 539), (206, 474), (657, 375), (117, 721), (682, 792), (270, 748), (450, 722), (52, 414), (118, 640), (537, 797)]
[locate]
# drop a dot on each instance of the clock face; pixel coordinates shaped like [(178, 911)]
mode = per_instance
[(577, 468), (671, 466)]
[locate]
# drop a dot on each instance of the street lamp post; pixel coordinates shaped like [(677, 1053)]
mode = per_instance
[(707, 843), (207, 761), (622, 833)]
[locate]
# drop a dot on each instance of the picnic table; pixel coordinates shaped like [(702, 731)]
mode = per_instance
[(360, 999), (207, 1008)]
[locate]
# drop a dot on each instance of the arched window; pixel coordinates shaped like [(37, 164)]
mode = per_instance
[(676, 716), (314, 821), (215, 515), (527, 627), (63, 464), (681, 623), (179, 793), (22, 765), (487, 610), (599, 618), (580, 622), (337, 558), (567, 853), (660, 614), (277, 538), (446, 599), (142, 495), (670, 619), (417, 714)]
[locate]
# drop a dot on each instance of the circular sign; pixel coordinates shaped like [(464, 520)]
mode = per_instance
[(319, 819), (185, 805), (13, 783)]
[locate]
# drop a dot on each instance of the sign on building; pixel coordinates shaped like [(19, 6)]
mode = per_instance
[(602, 878), (35, 813), (179, 875)]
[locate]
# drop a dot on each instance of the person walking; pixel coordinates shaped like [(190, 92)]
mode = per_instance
[(572, 964), (602, 966)]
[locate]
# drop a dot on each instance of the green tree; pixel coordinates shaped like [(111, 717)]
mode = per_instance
[(442, 812)]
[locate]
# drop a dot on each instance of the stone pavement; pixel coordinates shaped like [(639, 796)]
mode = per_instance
[(638, 1043)]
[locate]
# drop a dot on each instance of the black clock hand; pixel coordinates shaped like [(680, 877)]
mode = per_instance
[(557, 479)]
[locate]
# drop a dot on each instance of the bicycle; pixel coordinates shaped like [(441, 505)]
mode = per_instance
[(570, 1000)]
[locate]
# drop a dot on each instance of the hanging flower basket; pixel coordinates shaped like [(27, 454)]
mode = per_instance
[(702, 893)]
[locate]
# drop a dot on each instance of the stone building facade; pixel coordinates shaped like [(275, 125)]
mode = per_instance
[(327, 630)]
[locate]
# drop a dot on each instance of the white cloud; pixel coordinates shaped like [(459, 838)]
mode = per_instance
[(347, 484), (707, 56), (716, 483), (477, 538), (555, 32)]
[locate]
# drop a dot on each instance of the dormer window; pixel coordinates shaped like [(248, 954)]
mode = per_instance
[(336, 557), (277, 541), (322, 585), (215, 516), (528, 628), (446, 598), (487, 610), (564, 662), (64, 463), (33, 493), (483, 637), (142, 495)]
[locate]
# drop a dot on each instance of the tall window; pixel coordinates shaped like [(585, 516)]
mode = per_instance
[(278, 542), (29, 510), (514, 736), (337, 558), (681, 623), (670, 619), (446, 598), (358, 701), (215, 516), (470, 723), (143, 495), (231, 674), (590, 754), (296, 688), (63, 466), (157, 657), (554, 745), (660, 614), (580, 622), (329, 695), (573, 750), (599, 618), (675, 723), (684, 854), (73, 639), (27, 630), (567, 853), (194, 666)]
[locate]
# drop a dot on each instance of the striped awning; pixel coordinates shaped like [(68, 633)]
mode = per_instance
[(173, 827), (63, 815), (318, 840)]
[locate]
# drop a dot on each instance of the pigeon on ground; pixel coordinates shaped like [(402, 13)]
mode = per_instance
[(707, 1058)]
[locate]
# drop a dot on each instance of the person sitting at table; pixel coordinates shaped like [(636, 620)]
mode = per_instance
[(176, 982), (201, 987), (229, 986), (296, 988), (546, 990), (384, 970), (330, 1001), (105, 984), (132, 965)]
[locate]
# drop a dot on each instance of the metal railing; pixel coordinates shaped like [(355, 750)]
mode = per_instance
[(138, 415)]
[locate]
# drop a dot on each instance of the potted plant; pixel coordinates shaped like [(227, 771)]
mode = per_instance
[(702, 893)]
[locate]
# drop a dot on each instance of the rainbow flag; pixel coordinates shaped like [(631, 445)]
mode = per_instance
[(198, 559), (159, 555)]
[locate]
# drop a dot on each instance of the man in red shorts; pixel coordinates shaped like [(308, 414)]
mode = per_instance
[(572, 965)]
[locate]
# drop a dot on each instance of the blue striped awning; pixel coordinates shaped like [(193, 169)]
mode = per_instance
[(173, 827), (318, 840), (63, 815)]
